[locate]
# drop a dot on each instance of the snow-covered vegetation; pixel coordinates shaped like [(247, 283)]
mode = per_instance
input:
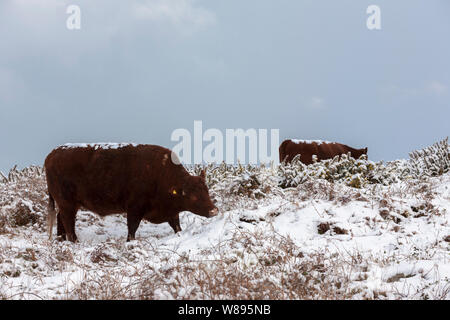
[(337, 229)]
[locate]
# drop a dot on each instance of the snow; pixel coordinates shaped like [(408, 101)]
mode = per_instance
[(98, 145), (310, 141)]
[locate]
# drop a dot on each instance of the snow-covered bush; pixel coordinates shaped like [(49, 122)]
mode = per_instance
[(352, 172), (249, 181), (22, 213), (431, 161), (15, 175), (23, 199), (292, 173)]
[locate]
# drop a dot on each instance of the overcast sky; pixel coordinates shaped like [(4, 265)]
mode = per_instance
[(139, 69)]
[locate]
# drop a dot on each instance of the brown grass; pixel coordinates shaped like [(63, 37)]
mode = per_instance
[(280, 272)]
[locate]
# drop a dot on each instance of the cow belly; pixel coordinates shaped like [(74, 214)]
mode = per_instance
[(102, 203), (155, 216), (102, 210)]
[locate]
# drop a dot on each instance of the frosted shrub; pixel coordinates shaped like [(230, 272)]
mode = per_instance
[(431, 161), (293, 173), (352, 172), (15, 175), (389, 172), (250, 181), (247, 185), (23, 198), (217, 174)]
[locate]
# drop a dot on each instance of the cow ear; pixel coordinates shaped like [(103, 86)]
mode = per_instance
[(203, 174)]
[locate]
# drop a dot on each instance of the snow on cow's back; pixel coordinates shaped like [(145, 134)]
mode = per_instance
[(310, 141), (97, 145)]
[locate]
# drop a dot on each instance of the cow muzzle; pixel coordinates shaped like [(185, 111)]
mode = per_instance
[(213, 212)]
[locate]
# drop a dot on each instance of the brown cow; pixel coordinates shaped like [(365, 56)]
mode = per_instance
[(140, 180), (322, 149)]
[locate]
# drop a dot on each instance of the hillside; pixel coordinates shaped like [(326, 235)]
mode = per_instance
[(338, 229)]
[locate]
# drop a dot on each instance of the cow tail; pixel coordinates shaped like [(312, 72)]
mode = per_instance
[(51, 215)]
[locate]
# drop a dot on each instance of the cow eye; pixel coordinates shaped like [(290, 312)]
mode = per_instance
[(174, 192)]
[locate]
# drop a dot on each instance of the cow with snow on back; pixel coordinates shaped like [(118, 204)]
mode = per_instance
[(321, 149), (139, 180)]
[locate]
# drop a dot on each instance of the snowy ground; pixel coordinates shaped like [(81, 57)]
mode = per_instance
[(316, 241)]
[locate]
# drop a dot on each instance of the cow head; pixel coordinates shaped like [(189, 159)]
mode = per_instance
[(194, 196), (359, 152)]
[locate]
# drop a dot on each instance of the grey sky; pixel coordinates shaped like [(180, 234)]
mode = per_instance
[(137, 70)]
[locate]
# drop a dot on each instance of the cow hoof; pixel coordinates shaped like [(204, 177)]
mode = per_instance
[(72, 238)]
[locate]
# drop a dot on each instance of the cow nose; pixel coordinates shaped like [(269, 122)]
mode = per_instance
[(213, 212)]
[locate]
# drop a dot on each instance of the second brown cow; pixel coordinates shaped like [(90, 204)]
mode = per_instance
[(322, 149), (140, 180)]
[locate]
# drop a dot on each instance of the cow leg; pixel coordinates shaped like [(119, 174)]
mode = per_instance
[(68, 221), (133, 221), (61, 233), (175, 223)]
